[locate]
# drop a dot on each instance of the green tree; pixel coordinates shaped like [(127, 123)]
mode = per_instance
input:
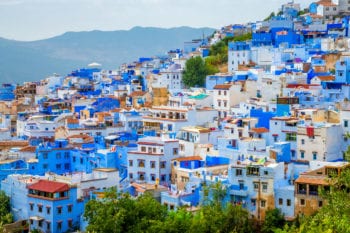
[(273, 219), (195, 72), (5, 209), (122, 213)]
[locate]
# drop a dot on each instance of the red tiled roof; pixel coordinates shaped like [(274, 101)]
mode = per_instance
[(222, 86), (189, 158), (72, 121), (300, 85), (326, 78), (14, 143), (49, 186), (138, 93), (326, 3), (260, 130), (312, 180), (28, 149)]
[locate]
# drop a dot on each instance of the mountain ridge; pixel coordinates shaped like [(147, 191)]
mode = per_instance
[(34, 60)]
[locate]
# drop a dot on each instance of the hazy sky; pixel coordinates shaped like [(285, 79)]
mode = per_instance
[(39, 19)]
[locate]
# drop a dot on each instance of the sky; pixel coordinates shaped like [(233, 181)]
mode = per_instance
[(28, 20)]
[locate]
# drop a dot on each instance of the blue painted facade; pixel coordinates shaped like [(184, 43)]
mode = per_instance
[(7, 92), (263, 117), (262, 38), (54, 211), (212, 80)]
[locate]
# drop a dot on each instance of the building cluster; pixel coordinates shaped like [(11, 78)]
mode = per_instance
[(271, 129)]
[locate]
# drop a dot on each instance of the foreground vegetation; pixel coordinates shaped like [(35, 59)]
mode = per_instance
[(122, 213)]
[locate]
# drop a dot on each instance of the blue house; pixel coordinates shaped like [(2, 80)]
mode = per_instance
[(53, 206), (54, 157), (7, 92), (212, 80)]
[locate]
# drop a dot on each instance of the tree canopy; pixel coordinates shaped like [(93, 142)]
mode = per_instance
[(196, 71)]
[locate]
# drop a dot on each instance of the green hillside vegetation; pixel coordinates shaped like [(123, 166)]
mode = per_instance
[(197, 69), (219, 52)]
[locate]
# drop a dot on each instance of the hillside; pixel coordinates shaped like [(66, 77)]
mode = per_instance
[(28, 61)]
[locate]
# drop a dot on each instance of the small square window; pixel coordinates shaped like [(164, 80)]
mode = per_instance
[(320, 203), (302, 202), (289, 202), (280, 201)]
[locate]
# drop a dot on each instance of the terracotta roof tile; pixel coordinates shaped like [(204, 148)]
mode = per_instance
[(138, 93), (320, 180), (222, 86), (260, 130), (14, 143), (28, 149), (49, 186), (189, 158)]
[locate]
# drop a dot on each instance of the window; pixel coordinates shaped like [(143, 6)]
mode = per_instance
[(48, 209), (292, 152), (31, 206), (163, 178), (302, 141), (266, 173), (66, 166), (263, 203), (45, 166), (74, 159), (45, 155), (131, 176), (241, 185), (314, 155), (48, 225), (59, 210), (58, 155), (302, 201), (141, 163), (238, 172), (58, 166), (253, 201), (219, 92), (69, 208), (66, 155), (143, 148), (81, 160), (40, 223), (280, 201), (320, 203), (153, 164), (264, 187), (346, 123), (288, 202), (302, 154), (131, 163), (153, 177), (225, 93), (256, 186), (70, 223), (175, 151), (59, 226), (40, 208), (275, 138), (162, 164), (154, 150)]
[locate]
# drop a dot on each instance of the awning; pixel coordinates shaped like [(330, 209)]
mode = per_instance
[(36, 218)]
